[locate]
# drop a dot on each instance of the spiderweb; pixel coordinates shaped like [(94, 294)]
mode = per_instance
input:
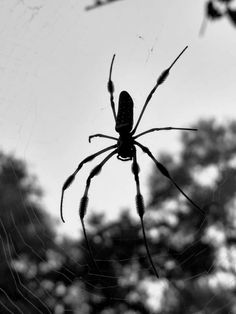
[(41, 271)]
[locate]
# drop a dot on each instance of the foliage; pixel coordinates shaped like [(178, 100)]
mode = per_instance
[(25, 233), (194, 242), (187, 245), (99, 3), (194, 251), (214, 10), (218, 9)]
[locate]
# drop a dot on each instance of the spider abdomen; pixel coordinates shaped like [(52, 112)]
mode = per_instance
[(124, 119)]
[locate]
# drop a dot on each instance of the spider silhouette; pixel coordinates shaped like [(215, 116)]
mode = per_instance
[(125, 148)]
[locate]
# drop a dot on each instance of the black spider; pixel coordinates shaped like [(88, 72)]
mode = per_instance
[(125, 150)]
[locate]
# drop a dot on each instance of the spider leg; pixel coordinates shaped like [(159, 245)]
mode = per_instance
[(163, 129), (84, 201), (140, 207), (160, 80), (102, 135), (110, 87), (71, 178), (165, 173)]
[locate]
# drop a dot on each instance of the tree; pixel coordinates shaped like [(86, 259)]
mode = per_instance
[(182, 239), (189, 253), (119, 254), (214, 10), (42, 275), (26, 236), (99, 3), (218, 9), (191, 248)]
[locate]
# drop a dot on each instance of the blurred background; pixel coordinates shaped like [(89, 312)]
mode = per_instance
[(54, 66)]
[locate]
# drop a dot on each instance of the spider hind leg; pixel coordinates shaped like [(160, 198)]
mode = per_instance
[(165, 173), (140, 209), (85, 199)]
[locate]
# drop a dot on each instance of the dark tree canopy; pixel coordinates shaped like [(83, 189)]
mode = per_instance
[(181, 238), (193, 250), (214, 10), (26, 235), (186, 244), (21, 212), (99, 3), (206, 169)]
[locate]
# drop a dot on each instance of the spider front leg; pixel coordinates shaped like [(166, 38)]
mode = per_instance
[(165, 173), (161, 79), (102, 135), (168, 128), (71, 178), (85, 199), (140, 207), (110, 87)]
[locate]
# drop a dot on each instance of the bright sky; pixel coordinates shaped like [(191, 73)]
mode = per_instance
[(54, 65)]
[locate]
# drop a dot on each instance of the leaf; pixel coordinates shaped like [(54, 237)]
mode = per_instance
[(232, 16), (212, 11), (225, 1)]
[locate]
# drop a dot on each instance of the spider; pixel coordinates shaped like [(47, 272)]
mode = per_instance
[(125, 148)]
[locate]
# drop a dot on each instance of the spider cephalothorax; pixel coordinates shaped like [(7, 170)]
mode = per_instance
[(125, 148)]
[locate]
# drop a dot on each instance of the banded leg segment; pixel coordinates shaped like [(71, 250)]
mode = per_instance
[(84, 201), (164, 129), (110, 87), (161, 79), (140, 208), (71, 178), (165, 173)]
